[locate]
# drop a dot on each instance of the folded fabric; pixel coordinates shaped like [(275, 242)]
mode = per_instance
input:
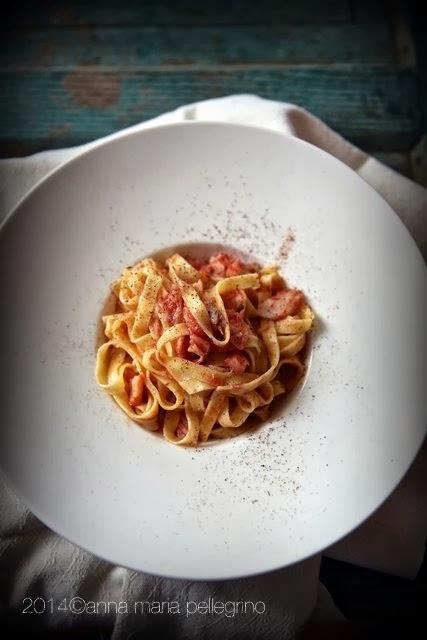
[(37, 562)]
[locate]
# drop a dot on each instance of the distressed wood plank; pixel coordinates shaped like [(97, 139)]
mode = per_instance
[(141, 47), (376, 108), (154, 12)]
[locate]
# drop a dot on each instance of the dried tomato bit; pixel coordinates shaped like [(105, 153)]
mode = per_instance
[(136, 390), (199, 346), (192, 324), (182, 344), (128, 374), (223, 264), (182, 427), (236, 362), (172, 305), (234, 299), (240, 330), (285, 303)]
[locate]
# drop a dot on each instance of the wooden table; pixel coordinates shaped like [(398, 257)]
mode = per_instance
[(73, 71)]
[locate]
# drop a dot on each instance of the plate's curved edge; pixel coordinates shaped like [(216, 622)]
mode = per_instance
[(62, 167), (204, 578), (126, 133)]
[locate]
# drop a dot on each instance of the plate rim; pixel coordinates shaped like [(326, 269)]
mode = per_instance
[(118, 137), (128, 133)]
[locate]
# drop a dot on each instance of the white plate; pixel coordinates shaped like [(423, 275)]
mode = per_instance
[(257, 502)]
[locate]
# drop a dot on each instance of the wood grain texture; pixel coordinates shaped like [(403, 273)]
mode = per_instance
[(137, 47), (375, 108), (187, 12), (74, 70)]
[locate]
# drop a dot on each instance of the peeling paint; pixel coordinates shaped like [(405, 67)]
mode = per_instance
[(94, 89)]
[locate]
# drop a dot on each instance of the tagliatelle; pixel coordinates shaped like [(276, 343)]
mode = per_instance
[(195, 347)]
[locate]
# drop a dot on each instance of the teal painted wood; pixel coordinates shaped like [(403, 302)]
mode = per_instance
[(154, 46), (375, 107), (195, 12)]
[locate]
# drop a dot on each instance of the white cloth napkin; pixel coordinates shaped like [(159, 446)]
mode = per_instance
[(39, 563)]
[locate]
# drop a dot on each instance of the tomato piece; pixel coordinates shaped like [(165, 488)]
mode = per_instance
[(223, 265), (182, 428), (234, 268), (199, 346), (192, 324), (136, 390), (234, 299), (285, 303), (240, 330), (237, 362), (182, 345), (172, 305)]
